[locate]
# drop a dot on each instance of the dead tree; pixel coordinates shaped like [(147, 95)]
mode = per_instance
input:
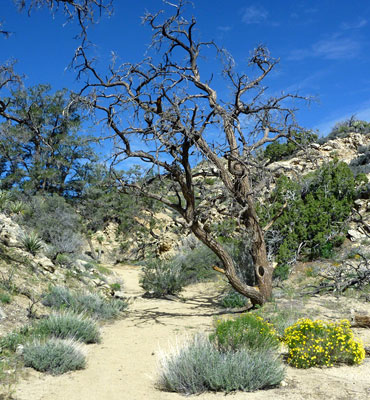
[(167, 113), (85, 11)]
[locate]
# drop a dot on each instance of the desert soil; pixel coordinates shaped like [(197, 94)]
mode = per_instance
[(125, 364)]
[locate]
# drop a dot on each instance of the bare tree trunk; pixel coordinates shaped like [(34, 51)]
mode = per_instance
[(257, 294)]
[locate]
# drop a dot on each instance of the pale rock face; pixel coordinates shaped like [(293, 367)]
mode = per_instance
[(356, 235), (346, 149), (2, 314), (10, 232), (44, 263)]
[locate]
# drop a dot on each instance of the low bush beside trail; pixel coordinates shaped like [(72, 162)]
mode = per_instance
[(200, 366), (55, 356), (59, 298), (248, 331)]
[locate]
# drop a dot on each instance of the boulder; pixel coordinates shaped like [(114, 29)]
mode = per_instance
[(355, 235)]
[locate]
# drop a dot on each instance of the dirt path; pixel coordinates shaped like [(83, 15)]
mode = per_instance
[(123, 366)]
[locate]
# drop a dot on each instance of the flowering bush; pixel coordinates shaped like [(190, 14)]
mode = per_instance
[(247, 331), (314, 343)]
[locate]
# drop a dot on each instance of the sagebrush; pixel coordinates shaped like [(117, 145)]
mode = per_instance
[(55, 356), (198, 366)]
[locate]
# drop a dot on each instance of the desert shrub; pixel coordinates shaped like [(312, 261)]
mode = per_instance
[(343, 276), (10, 367), (196, 260), (344, 128), (98, 307), (5, 297), (233, 299), (278, 150), (5, 198), (115, 287), (280, 317), (13, 339), (62, 326), (63, 260), (314, 216), (282, 271), (32, 243), (248, 331), (199, 366), (56, 222), (162, 277), (58, 297), (361, 164), (55, 356), (316, 343), (68, 325), (92, 304), (17, 207)]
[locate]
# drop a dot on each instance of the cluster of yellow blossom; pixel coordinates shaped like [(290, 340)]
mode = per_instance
[(313, 343)]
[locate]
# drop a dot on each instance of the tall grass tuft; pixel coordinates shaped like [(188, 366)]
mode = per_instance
[(199, 366), (94, 305), (32, 243), (55, 356), (68, 325)]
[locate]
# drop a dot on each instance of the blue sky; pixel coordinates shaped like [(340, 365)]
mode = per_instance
[(323, 46)]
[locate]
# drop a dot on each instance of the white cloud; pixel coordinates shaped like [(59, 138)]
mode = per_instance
[(224, 28), (355, 25), (254, 15), (334, 48)]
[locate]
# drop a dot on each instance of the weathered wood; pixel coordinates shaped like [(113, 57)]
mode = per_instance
[(360, 321)]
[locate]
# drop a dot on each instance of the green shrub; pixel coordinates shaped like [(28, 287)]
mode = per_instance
[(199, 366), (58, 297), (94, 305), (115, 287), (32, 243), (13, 339), (17, 207), (277, 151), (98, 307), (5, 198), (248, 331), (313, 220), (10, 367), (55, 356), (68, 325), (63, 260), (5, 297), (316, 343), (344, 128), (281, 271), (56, 222), (196, 262), (233, 299), (160, 278)]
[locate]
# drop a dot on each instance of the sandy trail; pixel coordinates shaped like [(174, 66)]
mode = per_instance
[(124, 365)]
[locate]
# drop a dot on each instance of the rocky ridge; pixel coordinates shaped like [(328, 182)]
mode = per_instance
[(25, 277), (352, 149)]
